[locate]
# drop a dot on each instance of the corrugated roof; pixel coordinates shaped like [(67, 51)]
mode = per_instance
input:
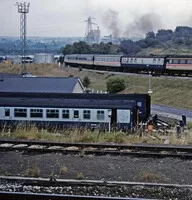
[(38, 84)]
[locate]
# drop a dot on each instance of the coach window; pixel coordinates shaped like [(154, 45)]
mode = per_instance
[(20, 112), (52, 113), (135, 60), (154, 61), (159, 61), (189, 62), (7, 112), (182, 61), (100, 115), (65, 114), (36, 113), (86, 114), (175, 62), (76, 114)]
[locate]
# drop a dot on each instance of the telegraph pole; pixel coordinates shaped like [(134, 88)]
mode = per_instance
[(23, 9)]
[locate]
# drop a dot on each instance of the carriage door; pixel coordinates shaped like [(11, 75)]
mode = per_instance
[(114, 117), (6, 113)]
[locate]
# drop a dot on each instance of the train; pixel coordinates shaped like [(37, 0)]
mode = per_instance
[(156, 65), (123, 112)]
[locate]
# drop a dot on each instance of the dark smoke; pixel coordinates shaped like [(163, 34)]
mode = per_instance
[(140, 26), (111, 21)]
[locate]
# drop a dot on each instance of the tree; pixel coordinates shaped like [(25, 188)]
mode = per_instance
[(86, 81), (115, 85)]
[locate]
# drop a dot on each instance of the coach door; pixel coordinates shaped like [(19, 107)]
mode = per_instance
[(7, 113), (113, 116)]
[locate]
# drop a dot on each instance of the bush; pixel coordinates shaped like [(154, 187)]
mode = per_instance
[(115, 85), (86, 81)]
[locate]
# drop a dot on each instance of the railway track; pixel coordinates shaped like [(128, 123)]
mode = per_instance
[(30, 188), (31, 196), (150, 150)]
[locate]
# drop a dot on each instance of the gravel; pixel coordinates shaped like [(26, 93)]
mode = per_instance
[(109, 168), (120, 191)]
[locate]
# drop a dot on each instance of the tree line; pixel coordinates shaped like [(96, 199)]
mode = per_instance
[(182, 35)]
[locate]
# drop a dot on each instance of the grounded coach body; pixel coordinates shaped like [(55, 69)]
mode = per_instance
[(66, 110), (160, 65)]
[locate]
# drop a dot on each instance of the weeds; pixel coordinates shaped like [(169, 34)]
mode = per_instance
[(80, 175), (71, 134), (150, 177), (33, 171)]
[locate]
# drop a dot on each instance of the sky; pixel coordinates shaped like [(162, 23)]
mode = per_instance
[(122, 18)]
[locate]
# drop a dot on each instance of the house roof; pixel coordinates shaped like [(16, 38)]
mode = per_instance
[(10, 75), (39, 84)]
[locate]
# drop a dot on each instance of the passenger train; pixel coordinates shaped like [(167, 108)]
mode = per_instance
[(157, 65), (67, 110)]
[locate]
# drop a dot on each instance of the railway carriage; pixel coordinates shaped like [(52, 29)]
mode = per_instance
[(79, 59), (106, 61), (139, 64), (179, 65), (66, 110), (161, 65)]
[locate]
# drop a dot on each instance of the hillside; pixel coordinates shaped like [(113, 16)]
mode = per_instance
[(166, 91)]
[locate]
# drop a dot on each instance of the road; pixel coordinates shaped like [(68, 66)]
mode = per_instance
[(171, 112)]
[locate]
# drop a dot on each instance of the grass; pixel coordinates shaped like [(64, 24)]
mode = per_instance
[(150, 177), (85, 135), (166, 91)]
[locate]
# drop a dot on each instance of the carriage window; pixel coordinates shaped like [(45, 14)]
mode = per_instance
[(100, 115), (124, 60), (175, 62), (7, 112), (52, 113), (20, 112), (182, 61), (159, 61), (131, 60), (189, 62), (86, 114), (135, 60), (36, 113), (154, 60), (76, 114), (65, 114)]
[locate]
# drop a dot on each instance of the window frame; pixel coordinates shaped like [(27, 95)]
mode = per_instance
[(101, 115), (20, 112), (86, 114)]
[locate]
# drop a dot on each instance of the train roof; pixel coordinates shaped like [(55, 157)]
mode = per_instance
[(67, 103), (135, 96), (149, 56)]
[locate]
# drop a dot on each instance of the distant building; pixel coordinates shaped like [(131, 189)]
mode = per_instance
[(48, 85)]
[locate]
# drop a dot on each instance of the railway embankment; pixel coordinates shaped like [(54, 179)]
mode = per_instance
[(170, 91)]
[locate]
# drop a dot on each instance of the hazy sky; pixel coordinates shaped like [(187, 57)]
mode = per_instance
[(64, 18)]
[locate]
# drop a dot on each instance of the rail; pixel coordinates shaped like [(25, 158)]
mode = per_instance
[(156, 150), (31, 196)]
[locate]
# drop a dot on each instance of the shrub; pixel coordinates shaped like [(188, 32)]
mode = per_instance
[(115, 85), (86, 81)]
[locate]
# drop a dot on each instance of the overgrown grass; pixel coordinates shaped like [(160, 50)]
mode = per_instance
[(85, 135)]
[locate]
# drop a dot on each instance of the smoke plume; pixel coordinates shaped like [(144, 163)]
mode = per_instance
[(111, 21), (143, 24)]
